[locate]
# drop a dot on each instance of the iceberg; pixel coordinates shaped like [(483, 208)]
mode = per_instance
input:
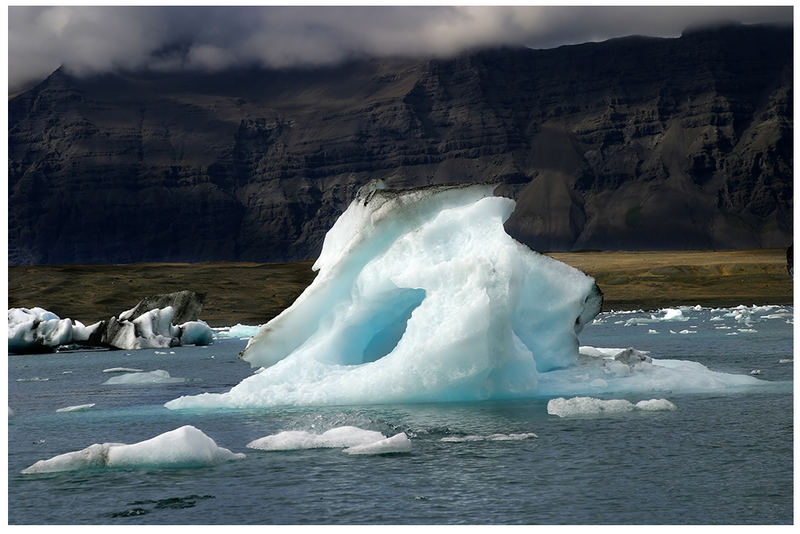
[(196, 333), (186, 446), (32, 330), (420, 295)]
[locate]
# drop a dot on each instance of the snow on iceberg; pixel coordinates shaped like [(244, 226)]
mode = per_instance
[(420, 296), (186, 446)]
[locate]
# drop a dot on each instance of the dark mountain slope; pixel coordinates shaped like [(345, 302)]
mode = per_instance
[(634, 143)]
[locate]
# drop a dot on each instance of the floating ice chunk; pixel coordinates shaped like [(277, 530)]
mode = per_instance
[(655, 405), (672, 314), (36, 330), (782, 315), (664, 315), (587, 406), (196, 333), (786, 360), (76, 408), (420, 296), (242, 331), (492, 437), (590, 406), (344, 436), (755, 372), (641, 377), (122, 370), (183, 447), (651, 331), (747, 330), (159, 376), (395, 444)]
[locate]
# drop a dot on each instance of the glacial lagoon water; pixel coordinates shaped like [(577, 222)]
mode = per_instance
[(723, 456)]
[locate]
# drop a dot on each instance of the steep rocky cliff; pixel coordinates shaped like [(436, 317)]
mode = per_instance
[(633, 143)]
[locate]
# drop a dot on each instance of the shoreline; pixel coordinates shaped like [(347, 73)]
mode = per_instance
[(253, 293)]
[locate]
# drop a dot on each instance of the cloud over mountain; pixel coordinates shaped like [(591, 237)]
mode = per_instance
[(102, 38)]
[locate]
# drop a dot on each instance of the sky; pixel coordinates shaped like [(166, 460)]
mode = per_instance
[(96, 39)]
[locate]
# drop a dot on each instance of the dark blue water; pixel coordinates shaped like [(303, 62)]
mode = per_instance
[(720, 458)]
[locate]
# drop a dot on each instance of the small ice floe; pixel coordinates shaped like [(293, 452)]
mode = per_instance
[(75, 408), (667, 315), (122, 370), (491, 437), (33, 379), (352, 439), (395, 444), (237, 331), (651, 331), (786, 360), (581, 406), (159, 376), (755, 372), (339, 437), (183, 447), (747, 330)]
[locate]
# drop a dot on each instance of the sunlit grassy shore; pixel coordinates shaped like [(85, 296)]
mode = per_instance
[(252, 293)]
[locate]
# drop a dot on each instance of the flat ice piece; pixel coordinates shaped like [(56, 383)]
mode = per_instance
[(421, 295), (122, 370), (492, 437), (581, 406), (344, 436), (159, 376), (186, 446), (76, 408), (395, 444)]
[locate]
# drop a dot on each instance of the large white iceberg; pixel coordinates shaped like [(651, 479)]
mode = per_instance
[(186, 446), (420, 296)]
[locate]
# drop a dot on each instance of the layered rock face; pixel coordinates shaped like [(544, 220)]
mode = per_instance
[(634, 143)]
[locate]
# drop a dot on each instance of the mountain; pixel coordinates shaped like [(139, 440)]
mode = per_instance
[(632, 143)]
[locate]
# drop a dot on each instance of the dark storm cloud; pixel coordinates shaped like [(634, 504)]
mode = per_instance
[(96, 39)]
